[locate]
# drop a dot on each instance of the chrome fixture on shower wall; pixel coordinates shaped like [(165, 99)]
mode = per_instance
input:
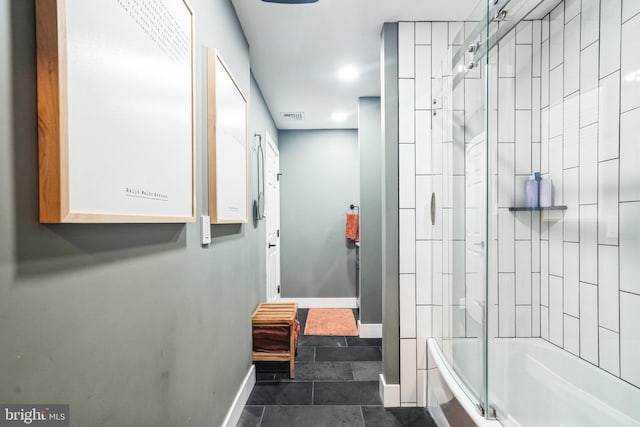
[(501, 16)]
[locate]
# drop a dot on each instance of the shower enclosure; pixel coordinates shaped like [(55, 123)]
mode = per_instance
[(536, 311)]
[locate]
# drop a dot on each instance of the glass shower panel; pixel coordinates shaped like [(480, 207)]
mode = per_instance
[(514, 59), (536, 310), (460, 114), (563, 342)]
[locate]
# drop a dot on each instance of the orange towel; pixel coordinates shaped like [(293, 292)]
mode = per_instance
[(353, 227)]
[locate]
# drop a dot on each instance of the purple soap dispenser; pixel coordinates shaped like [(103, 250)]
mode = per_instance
[(546, 193), (532, 191)]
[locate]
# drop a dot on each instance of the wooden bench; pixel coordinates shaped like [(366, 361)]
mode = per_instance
[(276, 314)]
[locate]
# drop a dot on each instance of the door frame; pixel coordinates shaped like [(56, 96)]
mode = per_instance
[(271, 145)]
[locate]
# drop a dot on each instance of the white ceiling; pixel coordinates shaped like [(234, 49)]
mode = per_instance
[(296, 51)]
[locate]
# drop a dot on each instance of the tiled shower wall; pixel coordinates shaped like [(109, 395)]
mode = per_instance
[(426, 161), (514, 143), (590, 127), (564, 99), (420, 44), (438, 125)]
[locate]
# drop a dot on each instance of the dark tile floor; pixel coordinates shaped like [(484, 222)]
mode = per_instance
[(335, 384)]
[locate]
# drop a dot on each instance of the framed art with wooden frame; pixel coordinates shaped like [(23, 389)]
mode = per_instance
[(116, 102), (227, 145)]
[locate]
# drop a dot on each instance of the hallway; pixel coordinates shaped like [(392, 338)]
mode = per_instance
[(336, 384)]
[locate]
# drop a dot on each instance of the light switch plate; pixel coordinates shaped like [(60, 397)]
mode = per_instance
[(206, 229)]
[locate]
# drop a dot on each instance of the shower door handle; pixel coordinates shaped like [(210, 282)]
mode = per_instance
[(433, 208)]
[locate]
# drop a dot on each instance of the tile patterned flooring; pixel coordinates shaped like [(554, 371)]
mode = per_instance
[(336, 384)]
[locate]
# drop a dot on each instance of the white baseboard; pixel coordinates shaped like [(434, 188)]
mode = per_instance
[(322, 302), (235, 411), (389, 393), (370, 330)]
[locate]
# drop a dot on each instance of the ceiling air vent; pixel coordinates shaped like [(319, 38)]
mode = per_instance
[(292, 117)]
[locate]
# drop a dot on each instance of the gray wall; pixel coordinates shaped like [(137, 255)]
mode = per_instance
[(319, 182), (370, 149), (130, 324), (390, 221)]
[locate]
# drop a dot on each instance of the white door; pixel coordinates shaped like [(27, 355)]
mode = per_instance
[(272, 214)]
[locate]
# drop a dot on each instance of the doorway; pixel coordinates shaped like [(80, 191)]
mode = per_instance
[(272, 217)]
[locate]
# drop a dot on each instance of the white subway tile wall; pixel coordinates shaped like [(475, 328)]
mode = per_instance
[(571, 296), (609, 351), (599, 185), (407, 241), (523, 272), (590, 18), (589, 85), (523, 321), (506, 305), (608, 202), (407, 306), (570, 192), (406, 48), (544, 322), (572, 55), (630, 248), (589, 322), (564, 99), (422, 387), (629, 156), (610, 21), (609, 116), (556, 326), (629, 348), (408, 372), (571, 334), (571, 9), (407, 178), (608, 305), (556, 35), (589, 164), (406, 102), (589, 243), (423, 331), (630, 63)]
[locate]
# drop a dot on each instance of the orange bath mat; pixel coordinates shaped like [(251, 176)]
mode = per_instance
[(331, 321)]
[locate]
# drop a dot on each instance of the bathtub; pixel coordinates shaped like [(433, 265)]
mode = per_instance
[(533, 383), (445, 388)]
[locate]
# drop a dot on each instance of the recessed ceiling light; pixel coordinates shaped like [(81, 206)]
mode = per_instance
[(348, 73), (339, 116)]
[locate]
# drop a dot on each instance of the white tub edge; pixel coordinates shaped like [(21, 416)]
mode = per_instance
[(455, 388)]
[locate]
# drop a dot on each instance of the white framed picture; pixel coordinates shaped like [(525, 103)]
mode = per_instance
[(116, 111), (227, 144)]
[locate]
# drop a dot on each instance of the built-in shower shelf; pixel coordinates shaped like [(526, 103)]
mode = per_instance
[(550, 208)]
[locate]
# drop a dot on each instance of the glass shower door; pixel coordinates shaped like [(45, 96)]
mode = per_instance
[(459, 124), (538, 308), (563, 340)]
